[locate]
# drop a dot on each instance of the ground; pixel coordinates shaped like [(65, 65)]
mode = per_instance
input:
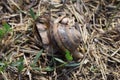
[(26, 54)]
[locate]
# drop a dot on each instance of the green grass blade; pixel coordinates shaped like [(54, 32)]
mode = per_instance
[(21, 65), (1, 33), (37, 57), (60, 60), (6, 27), (32, 14), (72, 64), (48, 68)]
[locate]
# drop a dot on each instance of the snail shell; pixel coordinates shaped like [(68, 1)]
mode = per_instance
[(65, 38)]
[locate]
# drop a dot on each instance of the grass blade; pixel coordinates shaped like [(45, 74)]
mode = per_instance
[(32, 14), (6, 27), (37, 57), (60, 60)]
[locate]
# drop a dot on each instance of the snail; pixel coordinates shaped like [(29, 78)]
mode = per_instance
[(62, 36)]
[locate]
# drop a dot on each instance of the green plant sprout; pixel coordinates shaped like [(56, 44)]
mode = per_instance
[(68, 55)]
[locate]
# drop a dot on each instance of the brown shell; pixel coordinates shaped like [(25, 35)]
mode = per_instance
[(66, 37)]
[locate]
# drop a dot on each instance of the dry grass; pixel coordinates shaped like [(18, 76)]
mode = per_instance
[(99, 22)]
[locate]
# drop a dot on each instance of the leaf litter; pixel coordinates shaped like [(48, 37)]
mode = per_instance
[(40, 31)]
